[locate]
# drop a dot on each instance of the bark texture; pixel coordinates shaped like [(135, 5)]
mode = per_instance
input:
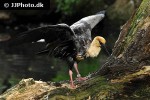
[(132, 49), (125, 75)]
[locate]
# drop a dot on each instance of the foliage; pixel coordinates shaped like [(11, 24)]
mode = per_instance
[(66, 6), (69, 7), (85, 67)]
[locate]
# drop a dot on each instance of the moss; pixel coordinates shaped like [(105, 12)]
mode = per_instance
[(98, 87), (101, 89), (139, 16), (143, 92), (89, 88), (136, 23)]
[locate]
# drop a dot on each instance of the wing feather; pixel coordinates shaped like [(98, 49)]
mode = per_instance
[(50, 33)]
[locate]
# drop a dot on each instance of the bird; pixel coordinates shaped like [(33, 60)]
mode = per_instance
[(71, 43)]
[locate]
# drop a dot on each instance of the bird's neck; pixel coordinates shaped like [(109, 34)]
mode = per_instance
[(94, 48)]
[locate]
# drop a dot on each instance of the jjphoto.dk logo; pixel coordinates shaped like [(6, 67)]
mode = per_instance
[(30, 5), (6, 5), (24, 4)]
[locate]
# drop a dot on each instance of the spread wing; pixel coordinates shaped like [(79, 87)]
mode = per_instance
[(82, 29), (49, 33), (59, 39)]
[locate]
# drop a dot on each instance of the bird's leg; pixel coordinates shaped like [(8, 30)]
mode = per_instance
[(79, 78), (71, 79)]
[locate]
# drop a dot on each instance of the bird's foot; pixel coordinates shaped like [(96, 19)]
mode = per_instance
[(81, 78), (72, 86)]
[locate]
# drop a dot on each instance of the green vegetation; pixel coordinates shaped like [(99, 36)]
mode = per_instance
[(66, 6), (140, 14), (85, 67), (70, 7)]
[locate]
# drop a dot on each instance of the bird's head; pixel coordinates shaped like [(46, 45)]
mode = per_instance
[(101, 40), (85, 48), (95, 46)]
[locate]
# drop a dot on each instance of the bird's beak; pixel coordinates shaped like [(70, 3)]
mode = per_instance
[(104, 46)]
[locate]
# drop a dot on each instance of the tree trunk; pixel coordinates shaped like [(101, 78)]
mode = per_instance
[(125, 75), (132, 49)]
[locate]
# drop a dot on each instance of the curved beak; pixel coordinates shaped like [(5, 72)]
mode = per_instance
[(104, 46)]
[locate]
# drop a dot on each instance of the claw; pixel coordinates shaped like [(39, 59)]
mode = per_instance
[(72, 85), (81, 79)]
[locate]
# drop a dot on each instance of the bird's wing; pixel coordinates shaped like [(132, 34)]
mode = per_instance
[(82, 29), (86, 24), (50, 33)]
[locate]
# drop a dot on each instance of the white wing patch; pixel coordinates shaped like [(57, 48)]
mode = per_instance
[(42, 40)]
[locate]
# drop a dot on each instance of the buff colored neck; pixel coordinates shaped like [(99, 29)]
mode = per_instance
[(95, 47)]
